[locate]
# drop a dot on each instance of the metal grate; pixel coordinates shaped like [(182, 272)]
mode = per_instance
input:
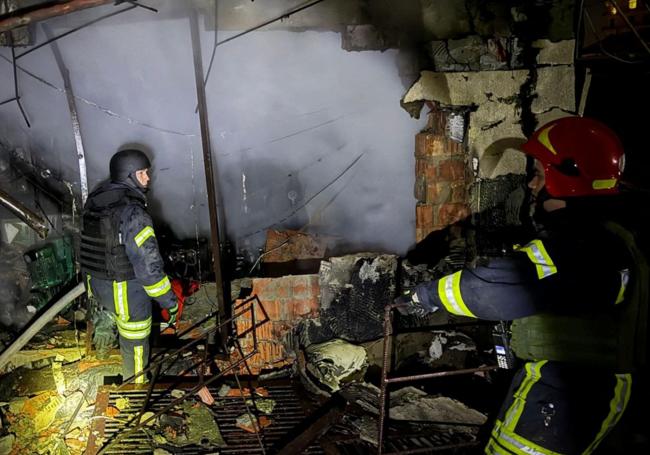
[(286, 416)]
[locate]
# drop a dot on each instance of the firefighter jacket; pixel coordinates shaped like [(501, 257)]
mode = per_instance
[(129, 223), (573, 267)]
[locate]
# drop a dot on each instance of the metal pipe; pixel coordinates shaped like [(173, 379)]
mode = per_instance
[(440, 374), (34, 221), (74, 116), (10, 21), (388, 331), (39, 323), (209, 172)]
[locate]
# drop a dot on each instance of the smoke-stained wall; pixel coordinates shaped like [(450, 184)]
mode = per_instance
[(304, 134)]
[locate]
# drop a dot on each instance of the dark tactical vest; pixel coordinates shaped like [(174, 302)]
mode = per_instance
[(102, 254), (615, 339)]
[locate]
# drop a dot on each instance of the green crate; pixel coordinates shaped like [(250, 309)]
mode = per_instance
[(50, 264)]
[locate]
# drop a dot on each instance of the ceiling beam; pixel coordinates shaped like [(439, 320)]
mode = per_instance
[(59, 9)]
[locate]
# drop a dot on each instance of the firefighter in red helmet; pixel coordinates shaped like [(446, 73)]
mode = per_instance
[(576, 293)]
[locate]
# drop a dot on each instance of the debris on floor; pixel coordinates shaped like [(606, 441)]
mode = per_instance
[(334, 362), (254, 424)]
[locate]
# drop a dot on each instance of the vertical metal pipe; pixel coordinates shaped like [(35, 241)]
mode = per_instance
[(388, 333), (209, 173)]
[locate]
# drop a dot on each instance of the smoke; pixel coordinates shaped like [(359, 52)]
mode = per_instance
[(289, 112)]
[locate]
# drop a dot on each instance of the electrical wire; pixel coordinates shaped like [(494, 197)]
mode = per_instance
[(602, 47)]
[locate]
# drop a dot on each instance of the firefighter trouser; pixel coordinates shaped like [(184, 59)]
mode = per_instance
[(131, 306), (554, 408)]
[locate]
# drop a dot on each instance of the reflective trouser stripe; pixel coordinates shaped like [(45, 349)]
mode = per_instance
[(616, 407), (516, 443), (138, 330), (533, 374), (89, 290), (539, 256), (159, 288), (143, 235), (625, 279), (449, 293), (121, 300), (138, 360), (493, 448)]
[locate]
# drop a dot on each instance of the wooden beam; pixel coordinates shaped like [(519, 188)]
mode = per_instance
[(59, 9)]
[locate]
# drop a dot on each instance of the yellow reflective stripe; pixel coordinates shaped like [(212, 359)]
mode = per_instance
[(625, 279), (449, 293), (138, 359), (538, 255), (159, 288), (137, 330), (120, 298), (517, 444), (89, 290), (143, 235), (605, 184), (533, 374), (493, 448), (544, 139), (616, 407)]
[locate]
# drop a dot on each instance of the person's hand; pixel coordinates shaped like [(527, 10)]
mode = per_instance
[(408, 304)]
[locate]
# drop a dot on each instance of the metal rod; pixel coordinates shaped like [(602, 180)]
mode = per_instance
[(202, 383), (440, 374), (15, 68), (460, 445), (28, 332), (134, 3), (76, 29), (74, 116), (9, 22), (631, 26), (388, 329), (257, 27), (8, 101), (209, 172), (34, 221)]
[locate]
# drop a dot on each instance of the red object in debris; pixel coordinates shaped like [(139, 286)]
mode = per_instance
[(181, 293)]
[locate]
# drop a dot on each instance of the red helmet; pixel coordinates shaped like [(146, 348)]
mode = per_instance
[(581, 157)]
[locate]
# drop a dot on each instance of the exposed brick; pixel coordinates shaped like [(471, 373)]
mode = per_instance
[(425, 168), (452, 170), (286, 246), (286, 300), (420, 189), (304, 307), (459, 193), (438, 192), (264, 287), (424, 215), (429, 145), (451, 213)]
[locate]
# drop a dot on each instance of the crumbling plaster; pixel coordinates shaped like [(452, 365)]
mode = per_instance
[(495, 129)]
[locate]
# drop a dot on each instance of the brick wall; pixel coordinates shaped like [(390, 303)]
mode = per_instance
[(287, 300), (442, 178)]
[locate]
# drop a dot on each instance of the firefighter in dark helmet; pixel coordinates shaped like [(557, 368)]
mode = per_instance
[(120, 259), (576, 292)]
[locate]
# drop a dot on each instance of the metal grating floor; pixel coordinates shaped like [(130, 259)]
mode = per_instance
[(287, 414)]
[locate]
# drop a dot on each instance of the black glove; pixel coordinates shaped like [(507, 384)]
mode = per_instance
[(409, 305)]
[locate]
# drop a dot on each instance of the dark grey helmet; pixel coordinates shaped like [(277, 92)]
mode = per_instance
[(125, 162)]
